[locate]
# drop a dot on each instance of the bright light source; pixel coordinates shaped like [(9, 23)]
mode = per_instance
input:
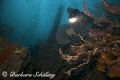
[(72, 20)]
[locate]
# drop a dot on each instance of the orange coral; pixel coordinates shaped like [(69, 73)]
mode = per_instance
[(75, 50), (109, 63), (10, 60), (7, 50), (109, 35)]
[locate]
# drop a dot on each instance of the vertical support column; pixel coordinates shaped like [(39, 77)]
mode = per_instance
[(52, 37)]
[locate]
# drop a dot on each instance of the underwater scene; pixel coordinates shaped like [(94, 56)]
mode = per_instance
[(59, 39)]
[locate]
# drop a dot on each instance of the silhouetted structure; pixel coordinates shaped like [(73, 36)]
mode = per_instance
[(52, 37)]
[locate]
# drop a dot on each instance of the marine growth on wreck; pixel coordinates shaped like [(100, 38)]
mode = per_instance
[(88, 48)]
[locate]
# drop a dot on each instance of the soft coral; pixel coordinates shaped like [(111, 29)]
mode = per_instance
[(7, 50)]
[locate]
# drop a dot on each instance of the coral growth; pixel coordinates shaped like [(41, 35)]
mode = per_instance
[(109, 52), (91, 53), (84, 52), (6, 50), (109, 63), (12, 57), (111, 8), (5, 30), (105, 41)]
